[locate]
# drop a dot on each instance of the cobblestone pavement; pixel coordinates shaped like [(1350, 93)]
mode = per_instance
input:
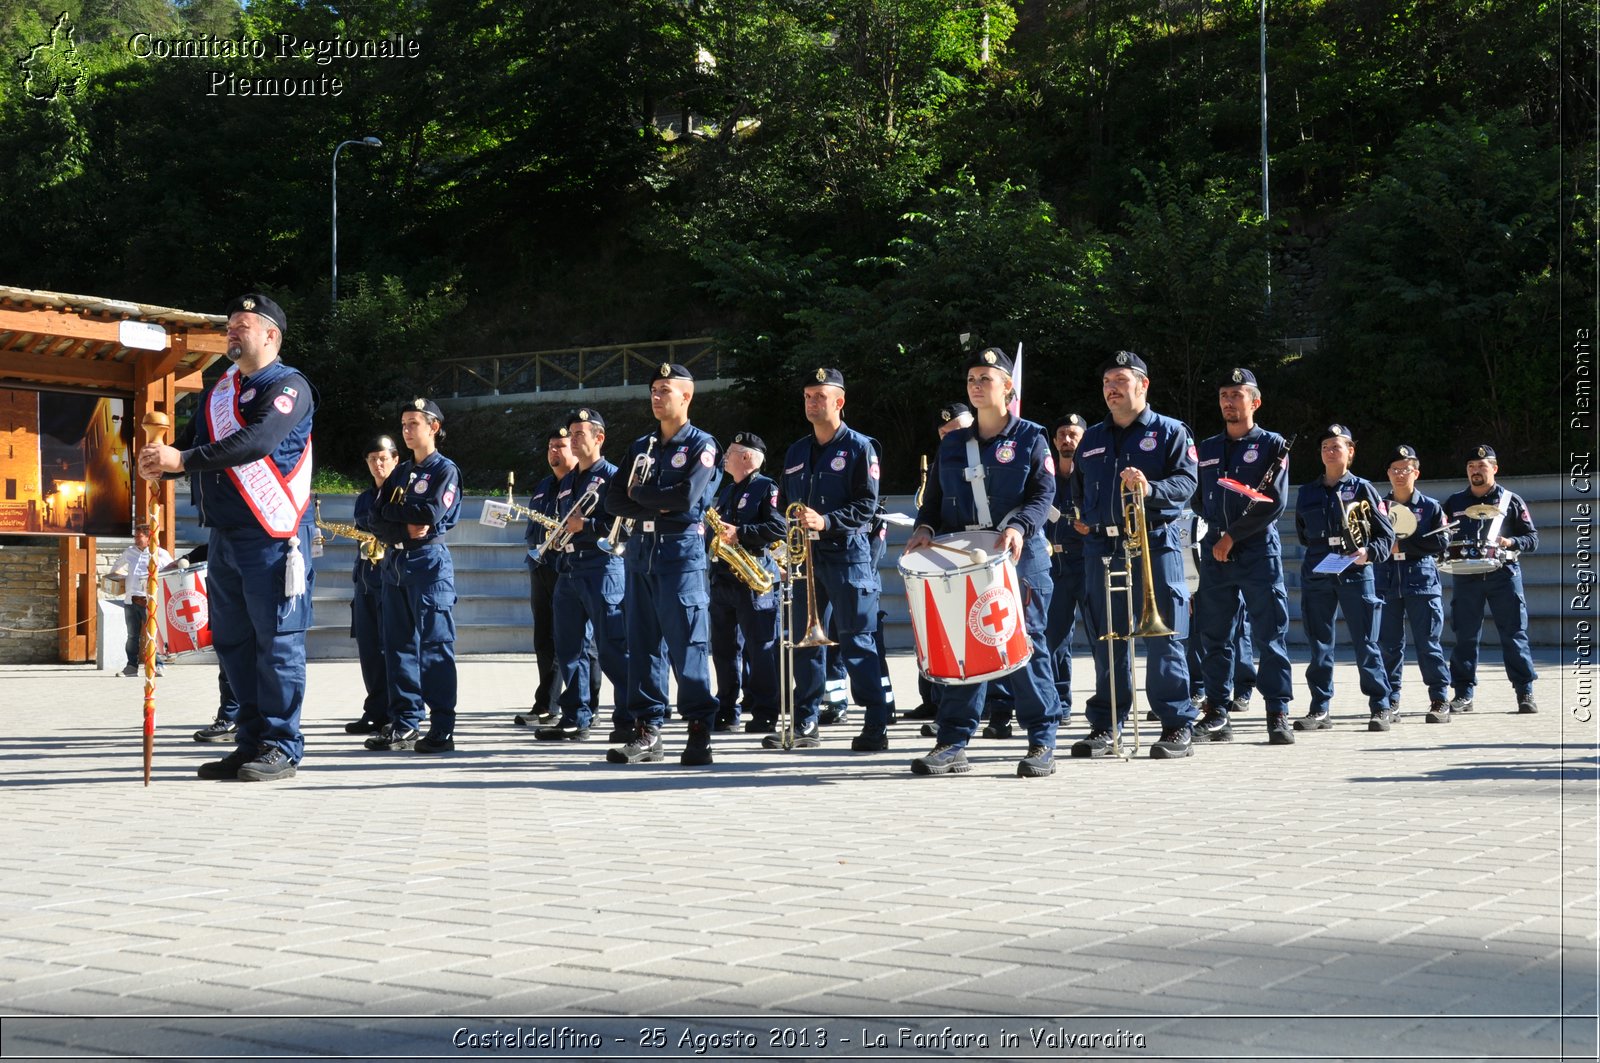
[(1430, 891)]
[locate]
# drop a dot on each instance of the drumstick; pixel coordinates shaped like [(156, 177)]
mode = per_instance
[(975, 555)]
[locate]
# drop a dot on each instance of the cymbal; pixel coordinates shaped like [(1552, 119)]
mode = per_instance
[(1481, 511)]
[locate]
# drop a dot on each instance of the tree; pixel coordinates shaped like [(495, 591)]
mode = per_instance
[(1444, 271), (1187, 286)]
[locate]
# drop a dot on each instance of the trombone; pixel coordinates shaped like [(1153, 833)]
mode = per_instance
[(795, 557), (1135, 544)]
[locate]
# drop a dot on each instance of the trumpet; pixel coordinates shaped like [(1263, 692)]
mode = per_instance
[(745, 565), (622, 527), (1135, 544), (795, 554), (559, 537), (371, 546)]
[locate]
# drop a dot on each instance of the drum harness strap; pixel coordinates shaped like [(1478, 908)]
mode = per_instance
[(980, 496), (1492, 535)]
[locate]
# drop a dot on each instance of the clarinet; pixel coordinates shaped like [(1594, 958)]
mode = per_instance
[(1282, 462)]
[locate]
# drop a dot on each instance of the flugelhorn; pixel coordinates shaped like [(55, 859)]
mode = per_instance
[(744, 564), (559, 538), (371, 546), (617, 538)]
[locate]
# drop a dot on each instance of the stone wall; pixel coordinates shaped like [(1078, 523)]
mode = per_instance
[(30, 579)]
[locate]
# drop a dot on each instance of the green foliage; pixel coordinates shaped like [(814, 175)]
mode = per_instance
[(1445, 270), (1188, 287), (326, 480), (864, 181), (362, 357)]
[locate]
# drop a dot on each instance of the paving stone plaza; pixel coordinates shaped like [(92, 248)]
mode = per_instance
[(1425, 893)]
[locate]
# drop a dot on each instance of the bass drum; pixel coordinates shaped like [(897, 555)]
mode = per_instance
[(966, 609)]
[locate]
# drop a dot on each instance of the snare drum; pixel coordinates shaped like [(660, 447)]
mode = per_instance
[(1475, 559), (185, 614), (966, 609)]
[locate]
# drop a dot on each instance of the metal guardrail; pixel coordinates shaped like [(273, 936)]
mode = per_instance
[(568, 368)]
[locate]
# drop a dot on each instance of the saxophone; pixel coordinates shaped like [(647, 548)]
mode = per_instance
[(371, 547), (744, 564)]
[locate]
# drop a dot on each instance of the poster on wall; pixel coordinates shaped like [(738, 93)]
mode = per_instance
[(66, 463)]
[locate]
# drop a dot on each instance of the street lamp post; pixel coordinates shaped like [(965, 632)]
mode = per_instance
[(366, 142)]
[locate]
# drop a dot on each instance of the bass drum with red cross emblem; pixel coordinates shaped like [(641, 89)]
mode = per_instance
[(185, 614), (966, 609)]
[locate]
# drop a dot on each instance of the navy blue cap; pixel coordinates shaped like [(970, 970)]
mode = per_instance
[(750, 441), (1125, 360), (1482, 452), (824, 375), (256, 303), (427, 406), (378, 443), (1073, 419), (951, 412), (990, 358), (1336, 431), (672, 371), (1236, 377), (558, 432), (1403, 452), (588, 415)]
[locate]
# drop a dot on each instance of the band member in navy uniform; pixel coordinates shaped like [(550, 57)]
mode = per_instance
[(665, 561), (1240, 652), (833, 473), (1320, 520), (1241, 564), (589, 590), (997, 475), (366, 606), (247, 452), (542, 580), (1408, 584), (1135, 446), (1070, 598), (952, 418), (744, 623), (1512, 529), (419, 502)]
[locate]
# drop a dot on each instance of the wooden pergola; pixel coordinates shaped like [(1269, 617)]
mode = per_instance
[(152, 354)]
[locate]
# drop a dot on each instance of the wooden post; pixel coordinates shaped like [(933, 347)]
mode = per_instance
[(75, 600)]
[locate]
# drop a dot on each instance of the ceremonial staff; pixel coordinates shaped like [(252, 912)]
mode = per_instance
[(155, 430)]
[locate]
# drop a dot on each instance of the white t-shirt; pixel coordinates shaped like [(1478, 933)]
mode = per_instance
[(134, 567)]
